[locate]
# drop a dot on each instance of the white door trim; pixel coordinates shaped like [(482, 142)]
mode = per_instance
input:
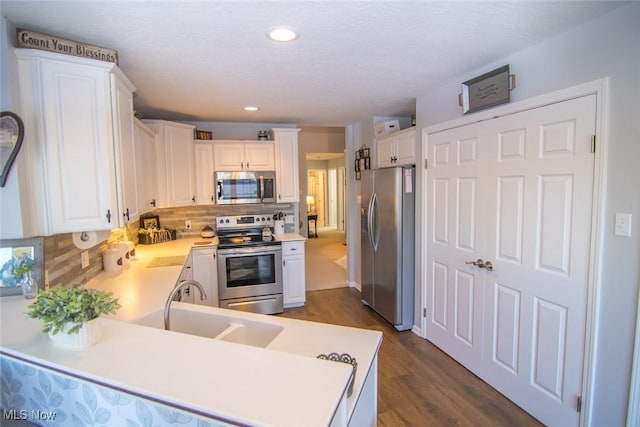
[(600, 88)]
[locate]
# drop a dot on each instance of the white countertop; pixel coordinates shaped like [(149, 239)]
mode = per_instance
[(289, 237), (282, 385)]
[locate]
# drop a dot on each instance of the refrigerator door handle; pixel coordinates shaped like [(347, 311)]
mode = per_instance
[(370, 220), (374, 229)]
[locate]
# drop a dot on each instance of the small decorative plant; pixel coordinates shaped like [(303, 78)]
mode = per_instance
[(75, 305), (25, 265)]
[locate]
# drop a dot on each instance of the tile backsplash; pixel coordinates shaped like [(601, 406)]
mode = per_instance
[(62, 257)]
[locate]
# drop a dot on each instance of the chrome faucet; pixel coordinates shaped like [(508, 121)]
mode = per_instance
[(174, 291)]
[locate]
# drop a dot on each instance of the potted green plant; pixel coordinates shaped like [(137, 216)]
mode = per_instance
[(71, 315)]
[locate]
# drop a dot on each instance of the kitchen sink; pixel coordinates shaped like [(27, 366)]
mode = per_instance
[(201, 321)]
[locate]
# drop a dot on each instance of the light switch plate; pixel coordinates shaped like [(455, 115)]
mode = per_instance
[(623, 224)]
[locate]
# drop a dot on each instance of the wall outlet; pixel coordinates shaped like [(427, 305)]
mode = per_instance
[(187, 224), (623, 224), (84, 259)]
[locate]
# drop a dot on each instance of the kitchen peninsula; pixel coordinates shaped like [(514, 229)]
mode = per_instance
[(198, 379)]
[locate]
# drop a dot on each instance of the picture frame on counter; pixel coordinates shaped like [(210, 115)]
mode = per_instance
[(365, 152), (358, 176), (367, 163), (357, 165), (150, 222), (358, 154)]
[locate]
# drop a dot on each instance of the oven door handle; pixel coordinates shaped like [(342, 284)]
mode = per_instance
[(249, 250)]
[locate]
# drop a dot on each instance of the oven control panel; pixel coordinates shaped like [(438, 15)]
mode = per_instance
[(244, 221)]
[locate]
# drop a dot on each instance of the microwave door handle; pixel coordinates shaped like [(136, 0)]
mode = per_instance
[(219, 190), (261, 189)]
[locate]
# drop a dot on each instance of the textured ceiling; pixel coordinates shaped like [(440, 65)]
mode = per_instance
[(205, 60)]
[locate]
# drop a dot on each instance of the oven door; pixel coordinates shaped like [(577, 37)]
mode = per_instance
[(249, 272)]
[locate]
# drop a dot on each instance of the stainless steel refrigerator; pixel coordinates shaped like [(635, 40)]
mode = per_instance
[(387, 243)]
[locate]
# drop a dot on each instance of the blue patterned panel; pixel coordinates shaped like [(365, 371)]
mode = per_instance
[(49, 398)]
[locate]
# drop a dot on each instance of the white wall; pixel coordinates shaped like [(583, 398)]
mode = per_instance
[(606, 47), (10, 209)]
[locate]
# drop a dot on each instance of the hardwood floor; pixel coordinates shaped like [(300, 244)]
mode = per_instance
[(418, 384)]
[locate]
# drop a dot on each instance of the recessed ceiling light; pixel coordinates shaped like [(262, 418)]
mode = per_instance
[(282, 34), (250, 108)]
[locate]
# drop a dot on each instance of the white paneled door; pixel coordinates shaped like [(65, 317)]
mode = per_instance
[(514, 196)]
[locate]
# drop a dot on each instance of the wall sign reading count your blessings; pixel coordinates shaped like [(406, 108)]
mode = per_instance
[(34, 40)]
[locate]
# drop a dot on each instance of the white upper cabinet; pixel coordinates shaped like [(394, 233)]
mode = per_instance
[(397, 149), (176, 163), (126, 155), (287, 180), (205, 190), (232, 156), (79, 117), (147, 169)]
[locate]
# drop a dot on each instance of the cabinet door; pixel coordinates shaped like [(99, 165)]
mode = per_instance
[(228, 156), (205, 272), (147, 169), (186, 295), (286, 144), (78, 149), (204, 173), (386, 152), (126, 166), (179, 161), (260, 156), (293, 274), (405, 147)]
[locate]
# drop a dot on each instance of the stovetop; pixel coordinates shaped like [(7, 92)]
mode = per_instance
[(244, 231)]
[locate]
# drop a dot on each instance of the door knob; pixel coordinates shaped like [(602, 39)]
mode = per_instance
[(478, 263), (481, 263)]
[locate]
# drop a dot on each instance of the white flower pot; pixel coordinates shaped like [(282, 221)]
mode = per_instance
[(88, 335)]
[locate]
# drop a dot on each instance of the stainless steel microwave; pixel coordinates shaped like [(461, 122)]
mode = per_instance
[(245, 187)]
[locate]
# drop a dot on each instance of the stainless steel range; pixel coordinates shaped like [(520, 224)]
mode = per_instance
[(249, 264)]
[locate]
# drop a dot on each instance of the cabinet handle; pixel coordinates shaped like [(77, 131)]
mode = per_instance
[(109, 216), (193, 199), (247, 165), (284, 262), (153, 202), (241, 165), (211, 199), (126, 214)]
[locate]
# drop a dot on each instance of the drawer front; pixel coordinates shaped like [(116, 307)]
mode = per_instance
[(292, 248)]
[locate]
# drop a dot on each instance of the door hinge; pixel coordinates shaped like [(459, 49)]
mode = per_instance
[(426, 163), (593, 143), (579, 404)]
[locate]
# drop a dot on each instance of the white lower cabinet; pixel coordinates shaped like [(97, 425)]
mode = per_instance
[(293, 274), (205, 272), (201, 266), (186, 274)]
